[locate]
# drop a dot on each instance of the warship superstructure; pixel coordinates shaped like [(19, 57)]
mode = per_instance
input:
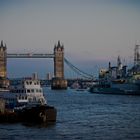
[(119, 80)]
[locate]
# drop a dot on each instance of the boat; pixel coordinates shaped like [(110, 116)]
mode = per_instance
[(77, 86), (117, 80), (115, 90), (128, 86), (28, 92), (26, 100)]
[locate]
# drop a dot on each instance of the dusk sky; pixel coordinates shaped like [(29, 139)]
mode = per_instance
[(93, 31)]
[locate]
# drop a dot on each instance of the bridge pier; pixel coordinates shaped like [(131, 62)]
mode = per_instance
[(58, 82)]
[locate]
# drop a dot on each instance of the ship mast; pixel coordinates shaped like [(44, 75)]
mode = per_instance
[(136, 55)]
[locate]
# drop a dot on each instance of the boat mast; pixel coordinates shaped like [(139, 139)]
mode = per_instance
[(136, 55)]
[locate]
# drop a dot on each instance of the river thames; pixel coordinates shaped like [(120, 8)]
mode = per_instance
[(83, 116)]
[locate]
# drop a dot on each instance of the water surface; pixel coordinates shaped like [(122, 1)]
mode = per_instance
[(83, 116)]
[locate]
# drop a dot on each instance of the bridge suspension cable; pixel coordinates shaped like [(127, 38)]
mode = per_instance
[(41, 55), (78, 71)]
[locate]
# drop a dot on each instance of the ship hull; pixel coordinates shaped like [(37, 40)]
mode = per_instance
[(38, 114), (26, 103), (111, 90)]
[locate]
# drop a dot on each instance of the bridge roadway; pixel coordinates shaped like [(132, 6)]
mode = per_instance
[(44, 55), (29, 55)]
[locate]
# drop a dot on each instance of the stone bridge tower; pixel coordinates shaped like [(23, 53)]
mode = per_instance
[(3, 65), (59, 61), (58, 82)]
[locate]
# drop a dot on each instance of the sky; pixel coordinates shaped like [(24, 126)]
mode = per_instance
[(93, 32)]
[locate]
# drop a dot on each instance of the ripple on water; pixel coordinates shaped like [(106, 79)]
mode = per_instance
[(83, 116)]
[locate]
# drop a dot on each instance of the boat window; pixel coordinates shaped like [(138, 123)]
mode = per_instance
[(40, 100), (32, 90), (19, 97), (38, 90), (28, 91), (30, 100)]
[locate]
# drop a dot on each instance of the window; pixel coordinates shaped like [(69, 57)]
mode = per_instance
[(32, 90), (30, 100), (28, 90)]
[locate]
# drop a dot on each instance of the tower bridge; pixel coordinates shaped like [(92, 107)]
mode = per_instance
[(59, 81)]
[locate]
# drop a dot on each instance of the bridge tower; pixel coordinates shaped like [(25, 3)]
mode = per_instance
[(3, 65), (58, 82)]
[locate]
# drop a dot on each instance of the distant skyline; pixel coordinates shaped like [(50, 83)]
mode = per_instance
[(93, 32)]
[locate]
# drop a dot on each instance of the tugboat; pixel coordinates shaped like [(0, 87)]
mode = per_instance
[(26, 100)]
